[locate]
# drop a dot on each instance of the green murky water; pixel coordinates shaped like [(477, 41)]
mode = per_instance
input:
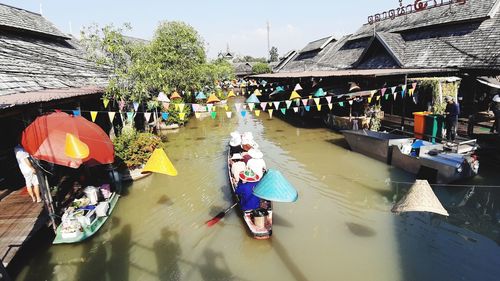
[(341, 228)]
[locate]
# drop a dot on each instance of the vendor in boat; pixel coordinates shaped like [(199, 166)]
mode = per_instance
[(237, 166), (248, 201), (256, 163), (452, 112), (235, 143)]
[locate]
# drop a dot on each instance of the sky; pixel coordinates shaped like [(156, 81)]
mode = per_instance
[(241, 25)]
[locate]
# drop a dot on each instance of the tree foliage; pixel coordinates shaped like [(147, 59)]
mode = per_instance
[(273, 54), (260, 68)]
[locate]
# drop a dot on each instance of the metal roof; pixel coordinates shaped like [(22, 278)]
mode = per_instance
[(355, 72)]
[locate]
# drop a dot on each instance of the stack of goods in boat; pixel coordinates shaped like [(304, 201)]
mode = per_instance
[(86, 214)]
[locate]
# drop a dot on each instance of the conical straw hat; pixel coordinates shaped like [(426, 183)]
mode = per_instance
[(159, 163), (213, 99), (75, 148), (420, 198), (175, 95)]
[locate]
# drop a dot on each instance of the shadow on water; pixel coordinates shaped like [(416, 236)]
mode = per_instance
[(341, 142), (214, 267), (287, 261), (118, 264), (168, 251), (94, 266), (360, 230), (279, 220), (164, 200)]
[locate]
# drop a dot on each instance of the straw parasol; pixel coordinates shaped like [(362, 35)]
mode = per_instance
[(213, 99), (175, 95), (294, 95), (420, 198)]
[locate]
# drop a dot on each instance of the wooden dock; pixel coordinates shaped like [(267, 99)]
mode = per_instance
[(20, 219)]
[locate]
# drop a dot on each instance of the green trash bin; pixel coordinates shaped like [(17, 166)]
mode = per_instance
[(434, 124)]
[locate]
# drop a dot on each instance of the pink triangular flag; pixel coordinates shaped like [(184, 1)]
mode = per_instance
[(304, 101), (414, 85), (382, 91), (328, 99), (263, 105)]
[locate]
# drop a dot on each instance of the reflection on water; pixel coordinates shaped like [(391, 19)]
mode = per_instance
[(341, 227)]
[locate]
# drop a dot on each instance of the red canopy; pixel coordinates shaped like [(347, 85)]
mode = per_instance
[(45, 139)]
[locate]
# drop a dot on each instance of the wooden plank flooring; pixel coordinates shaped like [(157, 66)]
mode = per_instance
[(19, 220)]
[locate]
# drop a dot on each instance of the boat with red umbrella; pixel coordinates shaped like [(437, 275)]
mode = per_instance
[(72, 141), (45, 139)]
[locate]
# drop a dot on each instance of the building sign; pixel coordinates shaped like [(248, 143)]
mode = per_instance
[(418, 6)]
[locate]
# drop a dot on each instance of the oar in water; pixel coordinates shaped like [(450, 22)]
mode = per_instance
[(220, 215)]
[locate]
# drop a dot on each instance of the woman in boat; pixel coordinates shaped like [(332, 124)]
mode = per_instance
[(256, 163), (237, 166), (235, 143), (248, 201)]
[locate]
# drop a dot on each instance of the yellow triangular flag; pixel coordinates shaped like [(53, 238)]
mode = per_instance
[(159, 163), (176, 106), (111, 116), (257, 112), (369, 99), (197, 115), (316, 100), (378, 97), (257, 93), (75, 148), (181, 107), (182, 115), (270, 113), (93, 115), (319, 107), (410, 91), (105, 101), (226, 107)]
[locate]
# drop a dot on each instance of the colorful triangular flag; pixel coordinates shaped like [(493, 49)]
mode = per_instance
[(93, 115), (229, 114), (130, 116), (263, 105), (330, 105), (307, 107), (276, 104), (164, 115), (111, 116), (197, 115), (136, 105), (328, 99), (270, 111), (105, 102), (316, 101), (243, 113), (288, 103), (283, 111), (257, 112), (318, 107), (77, 112), (251, 106), (182, 115), (295, 109), (213, 114), (181, 107), (147, 116), (304, 101), (210, 106)]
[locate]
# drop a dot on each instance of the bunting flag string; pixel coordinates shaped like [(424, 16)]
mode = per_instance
[(283, 111), (270, 111), (257, 112), (111, 116), (229, 114), (105, 102), (147, 116), (288, 104)]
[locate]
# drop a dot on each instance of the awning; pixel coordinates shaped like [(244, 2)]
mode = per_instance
[(355, 72), (489, 81)]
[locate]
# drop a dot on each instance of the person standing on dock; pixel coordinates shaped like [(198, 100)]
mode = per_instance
[(452, 111), (495, 107), (28, 172)]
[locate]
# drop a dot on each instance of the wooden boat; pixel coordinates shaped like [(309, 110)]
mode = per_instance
[(248, 217), (85, 226), (434, 162)]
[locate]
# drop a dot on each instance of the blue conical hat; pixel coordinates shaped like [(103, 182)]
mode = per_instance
[(253, 99), (275, 187)]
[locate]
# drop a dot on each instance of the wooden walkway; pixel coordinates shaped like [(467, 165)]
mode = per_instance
[(20, 219)]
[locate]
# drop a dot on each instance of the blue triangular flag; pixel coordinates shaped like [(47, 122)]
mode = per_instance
[(243, 113), (164, 115), (77, 112), (308, 107)]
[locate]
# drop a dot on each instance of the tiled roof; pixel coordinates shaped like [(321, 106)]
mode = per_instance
[(28, 64), (7, 101), (18, 19), (317, 45), (471, 10)]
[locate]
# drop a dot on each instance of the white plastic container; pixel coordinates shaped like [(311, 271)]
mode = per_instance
[(91, 193), (101, 209)]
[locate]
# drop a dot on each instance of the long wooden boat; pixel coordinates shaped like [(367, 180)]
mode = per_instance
[(248, 217), (87, 230)]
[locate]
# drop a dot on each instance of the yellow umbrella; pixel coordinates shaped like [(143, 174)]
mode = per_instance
[(159, 163), (294, 95), (213, 99), (75, 148)]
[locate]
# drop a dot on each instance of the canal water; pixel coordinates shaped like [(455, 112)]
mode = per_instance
[(341, 227)]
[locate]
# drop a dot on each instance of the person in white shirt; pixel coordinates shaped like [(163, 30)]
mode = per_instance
[(256, 163), (237, 166), (28, 172)]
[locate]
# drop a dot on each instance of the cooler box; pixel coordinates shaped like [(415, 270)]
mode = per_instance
[(419, 124), (101, 209), (434, 127), (91, 193)]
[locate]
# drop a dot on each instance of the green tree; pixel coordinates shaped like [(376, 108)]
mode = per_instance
[(273, 54), (218, 69), (260, 68), (177, 55)]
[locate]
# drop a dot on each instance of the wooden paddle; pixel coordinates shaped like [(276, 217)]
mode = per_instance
[(220, 215)]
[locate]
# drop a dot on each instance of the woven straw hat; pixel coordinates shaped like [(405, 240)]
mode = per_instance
[(420, 198)]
